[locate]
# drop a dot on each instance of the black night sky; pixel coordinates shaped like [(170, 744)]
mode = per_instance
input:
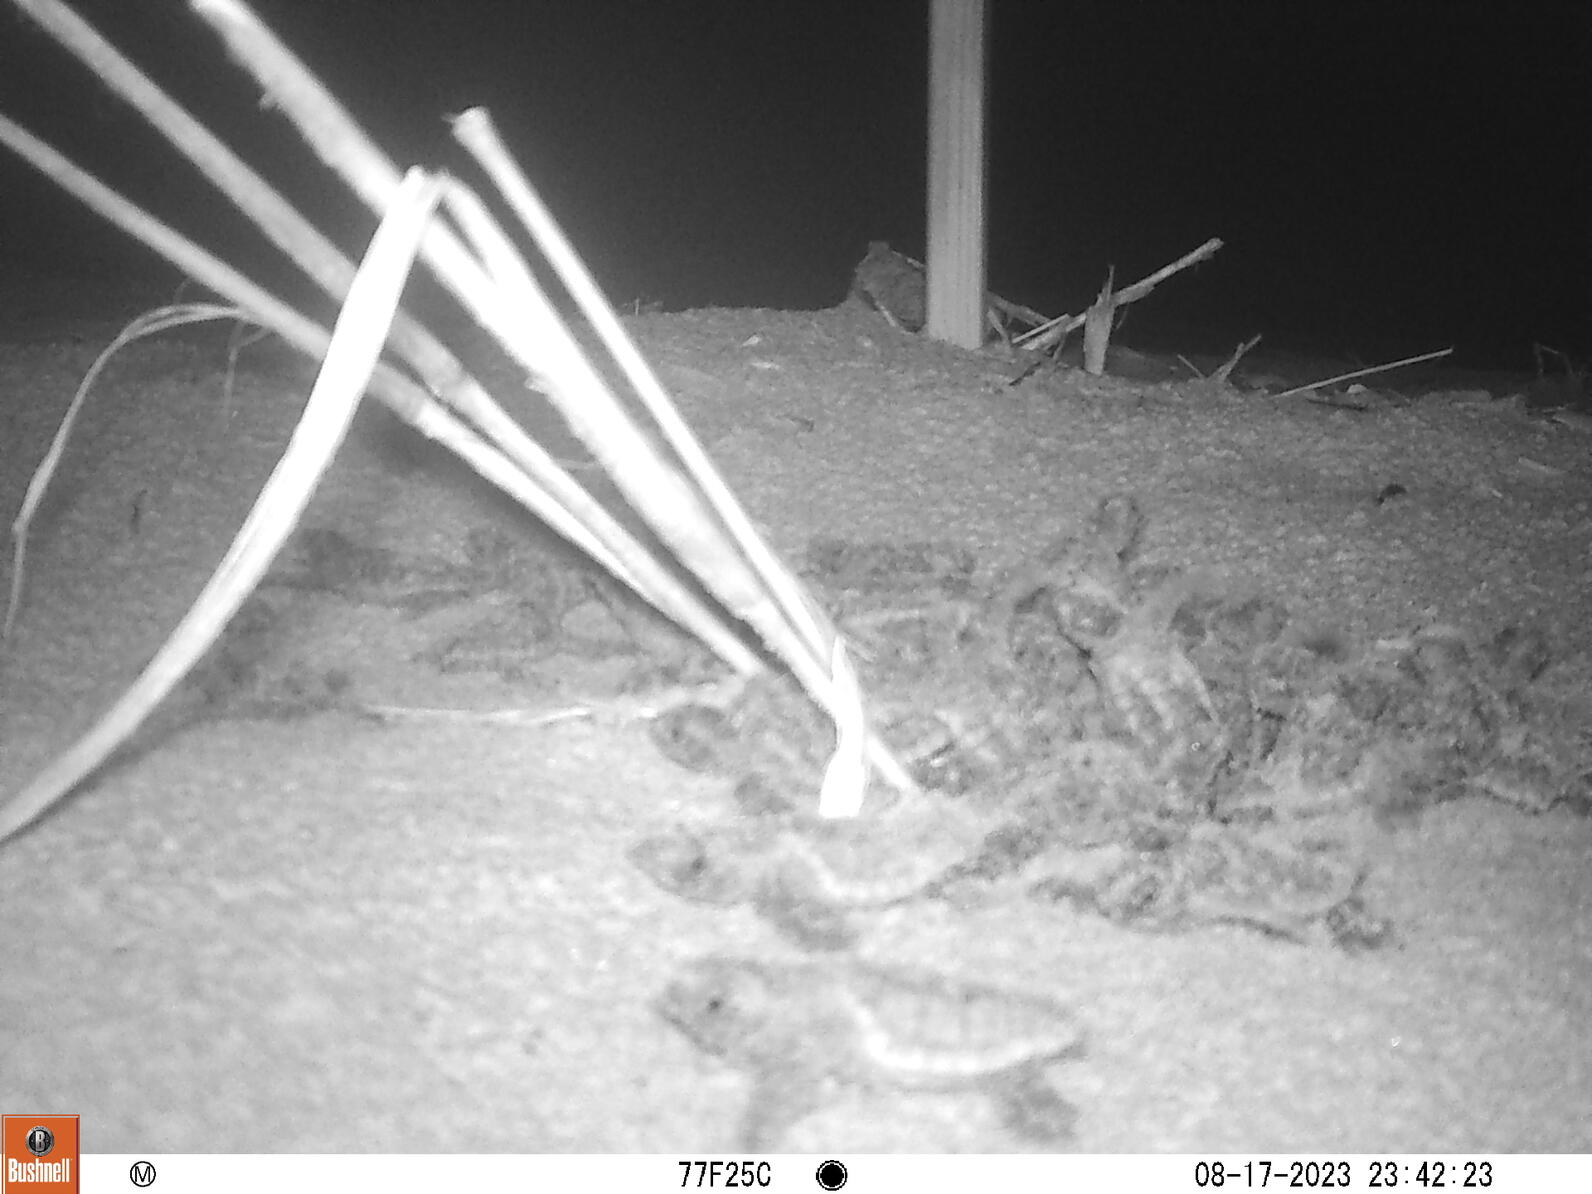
[(1388, 177)]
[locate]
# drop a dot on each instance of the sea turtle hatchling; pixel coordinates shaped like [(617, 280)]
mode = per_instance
[(805, 876), (803, 1028), (1410, 722), (1170, 877)]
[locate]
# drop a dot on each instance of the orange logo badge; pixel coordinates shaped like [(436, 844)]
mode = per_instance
[(38, 1154)]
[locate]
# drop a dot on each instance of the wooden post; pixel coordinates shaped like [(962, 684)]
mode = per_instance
[(955, 254)]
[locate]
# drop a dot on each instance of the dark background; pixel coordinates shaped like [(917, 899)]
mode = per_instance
[(1388, 177)]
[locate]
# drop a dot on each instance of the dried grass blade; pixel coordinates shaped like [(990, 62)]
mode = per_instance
[(545, 488), (357, 342), (526, 325), (147, 324)]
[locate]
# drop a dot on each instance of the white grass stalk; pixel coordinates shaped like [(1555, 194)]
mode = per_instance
[(148, 324), (1366, 372), (476, 132), (524, 322), (551, 493), (351, 358), (688, 505), (530, 330), (845, 779)]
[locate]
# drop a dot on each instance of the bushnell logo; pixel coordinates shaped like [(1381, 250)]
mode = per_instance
[(38, 1154)]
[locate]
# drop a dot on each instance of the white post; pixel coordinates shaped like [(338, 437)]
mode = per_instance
[(955, 252)]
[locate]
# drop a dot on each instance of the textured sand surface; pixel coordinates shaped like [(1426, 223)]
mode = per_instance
[(427, 935)]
